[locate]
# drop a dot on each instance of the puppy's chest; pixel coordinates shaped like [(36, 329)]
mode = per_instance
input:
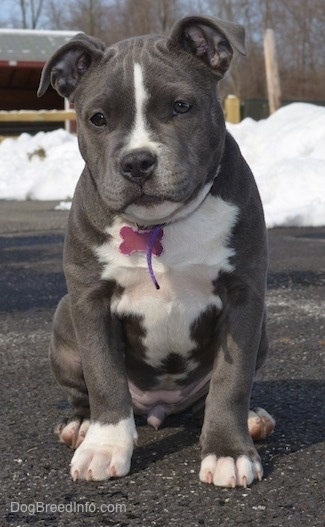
[(186, 257)]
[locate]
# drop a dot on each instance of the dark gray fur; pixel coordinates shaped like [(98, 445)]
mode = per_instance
[(90, 343)]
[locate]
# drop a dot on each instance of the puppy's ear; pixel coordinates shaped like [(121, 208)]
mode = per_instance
[(69, 63), (210, 39)]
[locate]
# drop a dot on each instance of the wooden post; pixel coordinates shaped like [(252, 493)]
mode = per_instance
[(67, 108), (232, 109), (272, 71), (29, 116)]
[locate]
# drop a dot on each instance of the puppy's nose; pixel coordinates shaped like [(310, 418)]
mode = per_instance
[(138, 165)]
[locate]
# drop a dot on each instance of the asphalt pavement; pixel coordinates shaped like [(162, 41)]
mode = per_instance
[(162, 488)]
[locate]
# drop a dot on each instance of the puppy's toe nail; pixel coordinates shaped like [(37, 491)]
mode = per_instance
[(90, 475), (209, 477), (244, 482), (112, 472), (76, 475)]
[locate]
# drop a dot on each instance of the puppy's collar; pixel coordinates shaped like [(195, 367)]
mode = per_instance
[(143, 240), (148, 240)]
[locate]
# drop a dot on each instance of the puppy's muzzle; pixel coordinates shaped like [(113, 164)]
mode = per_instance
[(138, 165)]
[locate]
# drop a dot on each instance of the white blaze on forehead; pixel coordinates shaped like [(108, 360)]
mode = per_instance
[(140, 136)]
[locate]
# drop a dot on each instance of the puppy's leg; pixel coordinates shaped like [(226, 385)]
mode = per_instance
[(228, 452), (260, 423), (103, 439), (263, 345), (67, 368)]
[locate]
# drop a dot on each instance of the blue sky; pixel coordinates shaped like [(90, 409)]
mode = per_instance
[(7, 8)]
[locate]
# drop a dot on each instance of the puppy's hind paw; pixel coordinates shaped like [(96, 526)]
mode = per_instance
[(72, 433), (260, 424)]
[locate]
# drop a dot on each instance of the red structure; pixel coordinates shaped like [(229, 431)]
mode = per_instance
[(23, 53)]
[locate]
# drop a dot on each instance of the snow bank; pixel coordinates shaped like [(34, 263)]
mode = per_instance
[(286, 153)]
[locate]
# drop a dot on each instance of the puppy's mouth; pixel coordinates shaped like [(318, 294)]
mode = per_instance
[(147, 210), (147, 200)]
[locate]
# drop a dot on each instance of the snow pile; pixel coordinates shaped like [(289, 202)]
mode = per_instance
[(286, 153), (41, 167)]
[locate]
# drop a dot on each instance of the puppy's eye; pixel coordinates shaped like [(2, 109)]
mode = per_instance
[(98, 119), (181, 107)]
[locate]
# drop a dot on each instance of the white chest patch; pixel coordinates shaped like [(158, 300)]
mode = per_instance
[(194, 252)]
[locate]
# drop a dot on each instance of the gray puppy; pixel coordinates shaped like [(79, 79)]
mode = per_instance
[(165, 253)]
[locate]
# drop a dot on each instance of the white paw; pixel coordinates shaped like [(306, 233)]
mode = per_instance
[(105, 452), (228, 472)]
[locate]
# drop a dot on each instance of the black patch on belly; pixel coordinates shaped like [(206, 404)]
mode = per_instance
[(174, 363), (144, 376), (138, 371), (134, 333), (205, 331)]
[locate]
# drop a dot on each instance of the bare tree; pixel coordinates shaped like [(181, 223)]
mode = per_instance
[(56, 15), (29, 13), (88, 16), (139, 17), (298, 26)]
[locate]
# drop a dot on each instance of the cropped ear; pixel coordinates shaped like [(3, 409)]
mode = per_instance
[(69, 63), (210, 39)]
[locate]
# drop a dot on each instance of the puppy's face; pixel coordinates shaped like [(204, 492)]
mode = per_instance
[(150, 128)]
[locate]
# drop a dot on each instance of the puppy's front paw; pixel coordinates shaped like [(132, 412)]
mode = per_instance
[(230, 472), (105, 452)]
